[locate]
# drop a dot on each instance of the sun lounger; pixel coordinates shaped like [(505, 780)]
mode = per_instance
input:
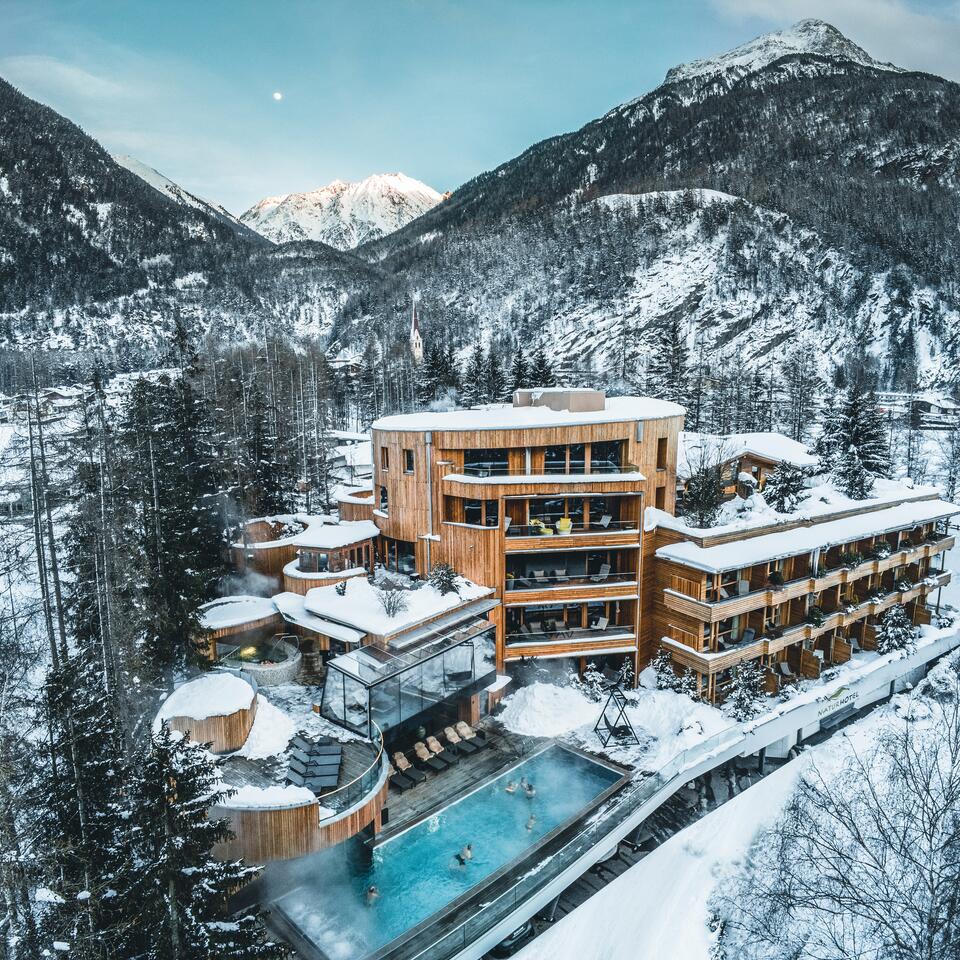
[(470, 735), (601, 623), (784, 668), (539, 576), (407, 768), (426, 759), (439, 750), (602, 574), (457, 742), (398, 780), (316, 784), (561, 576)]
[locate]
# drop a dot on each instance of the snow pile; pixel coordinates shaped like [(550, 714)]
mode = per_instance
[(211, 695), (359, 606), (253, 798), (270, 733), (547, 710), (666, 723)]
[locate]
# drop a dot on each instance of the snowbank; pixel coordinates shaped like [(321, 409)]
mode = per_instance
[(270, 733), (211, 695), (547, 710)]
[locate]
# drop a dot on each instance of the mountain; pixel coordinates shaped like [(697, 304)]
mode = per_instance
[(343, 215), (794, 192), (178, 194)]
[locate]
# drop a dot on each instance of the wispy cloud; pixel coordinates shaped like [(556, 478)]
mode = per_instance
[(889, 30), (53, 79)]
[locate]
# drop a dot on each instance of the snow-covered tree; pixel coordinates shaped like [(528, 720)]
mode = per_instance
[(785, 489), (747, 694), (703, 495), (179, 891), (519, 370), (854, 441), (895, 630), (687, 684), (664, 672), (474, 388), (444, 578), (541, 371), (668, 372)]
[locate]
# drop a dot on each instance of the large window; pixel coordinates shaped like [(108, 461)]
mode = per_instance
[(606, 456), (477, 513), (565, 459), (314, 561), (399, 556), (485, 463), (408, 461)]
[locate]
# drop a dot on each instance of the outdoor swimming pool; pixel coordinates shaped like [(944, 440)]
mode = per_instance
[(416, 872)]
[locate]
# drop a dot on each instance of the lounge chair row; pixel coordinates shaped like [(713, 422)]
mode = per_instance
[(461, 740), (314, 764)]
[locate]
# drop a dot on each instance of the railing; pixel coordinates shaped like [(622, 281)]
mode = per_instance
[(360, 787), (570, 635), (576, 529), (689, 588), (684, 636), (578, 468), (529, 582)]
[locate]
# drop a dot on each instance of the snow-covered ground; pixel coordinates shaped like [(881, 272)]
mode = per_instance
[(667, 894), (666, 723)]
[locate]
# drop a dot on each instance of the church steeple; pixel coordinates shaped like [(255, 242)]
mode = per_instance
[(416, 341)]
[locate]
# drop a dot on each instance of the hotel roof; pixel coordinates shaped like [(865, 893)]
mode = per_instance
[(505, 416)]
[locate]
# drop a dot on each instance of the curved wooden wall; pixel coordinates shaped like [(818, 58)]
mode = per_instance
[(305, 582), (224, 734), (349, 510), (283, 833)]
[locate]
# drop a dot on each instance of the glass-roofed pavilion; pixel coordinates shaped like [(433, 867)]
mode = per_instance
[(396, 688)]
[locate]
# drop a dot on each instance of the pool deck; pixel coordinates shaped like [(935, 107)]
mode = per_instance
[(503, 750)]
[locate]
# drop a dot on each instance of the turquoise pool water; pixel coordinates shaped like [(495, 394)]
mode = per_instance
[(416, 872)]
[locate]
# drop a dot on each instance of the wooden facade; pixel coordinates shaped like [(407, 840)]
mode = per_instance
[(261, 835), (224, 734), (430, 509)]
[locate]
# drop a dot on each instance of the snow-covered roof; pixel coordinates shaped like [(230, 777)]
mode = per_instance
[(360, 606), (234, 611), (292, 608), (713, 448), (275, 797), (320, 532), (505, 416), (821, 502), (774, 546), (356, 454), (349, 436), (209, 695)]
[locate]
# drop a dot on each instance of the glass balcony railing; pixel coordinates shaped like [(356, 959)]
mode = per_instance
[(548, 527), (532, 634), (544, 581), (574, 468)]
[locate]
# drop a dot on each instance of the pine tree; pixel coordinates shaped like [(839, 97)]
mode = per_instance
[(444, 578), (687, 684), (664, 672), (747, 694), (180, 890), (474, 389), (895, 631), (785, 488), (496, 386), (850, 476), (802, 384), (856, 424), (668, 372), (519, 371), (541, 371)]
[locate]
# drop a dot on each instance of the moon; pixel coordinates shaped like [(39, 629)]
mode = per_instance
[(277, 95)]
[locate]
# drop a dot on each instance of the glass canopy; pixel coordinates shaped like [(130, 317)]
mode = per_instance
[(392, 688)]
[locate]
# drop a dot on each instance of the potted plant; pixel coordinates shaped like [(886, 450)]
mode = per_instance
[(815, 616), (775, 578)]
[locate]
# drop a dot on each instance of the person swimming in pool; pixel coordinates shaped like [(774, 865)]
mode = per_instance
[(530, 790), (511, 787), (524, 783), (531, 822), (372, 894), (465, 855)]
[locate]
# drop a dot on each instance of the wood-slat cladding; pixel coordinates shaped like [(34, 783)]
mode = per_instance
[(282, 833), (415, 502), (224, 734)]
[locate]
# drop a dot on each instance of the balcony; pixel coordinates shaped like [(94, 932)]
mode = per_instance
[(543, 580), (548, 634)]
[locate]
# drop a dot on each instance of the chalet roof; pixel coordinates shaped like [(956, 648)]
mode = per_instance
[(505, 416), (233, 611), (713, 448), (775, 546)]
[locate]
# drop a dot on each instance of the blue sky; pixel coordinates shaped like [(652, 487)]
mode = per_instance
[(440, 89)]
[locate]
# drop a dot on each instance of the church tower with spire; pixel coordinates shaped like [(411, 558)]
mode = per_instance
[(416, 341)]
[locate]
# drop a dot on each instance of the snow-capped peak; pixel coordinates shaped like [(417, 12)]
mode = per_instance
[(806, 36), (343, 214)]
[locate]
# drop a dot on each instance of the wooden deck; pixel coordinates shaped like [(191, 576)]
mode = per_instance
[(439, 789)]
